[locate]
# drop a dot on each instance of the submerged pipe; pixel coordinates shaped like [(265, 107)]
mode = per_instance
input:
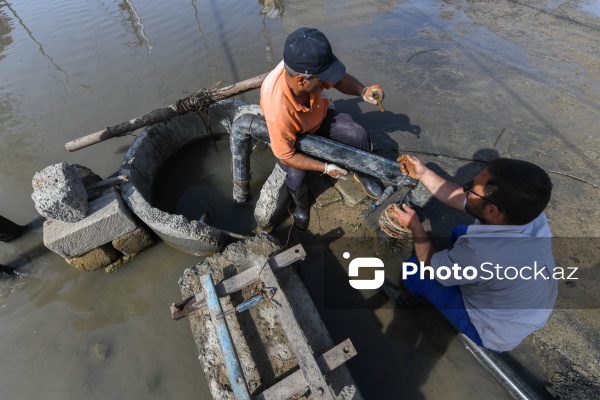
[(248, 126)]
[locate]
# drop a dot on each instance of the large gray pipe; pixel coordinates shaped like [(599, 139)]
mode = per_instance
[(495, 365), (248, 126)]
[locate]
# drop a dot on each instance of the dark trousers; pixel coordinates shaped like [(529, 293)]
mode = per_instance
[(336, 126)]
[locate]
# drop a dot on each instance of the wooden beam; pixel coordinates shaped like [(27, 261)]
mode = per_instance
[(306, 360), (295, 382), (162, 114)]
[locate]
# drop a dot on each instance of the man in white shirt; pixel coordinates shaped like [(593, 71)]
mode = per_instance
[(496, 283)]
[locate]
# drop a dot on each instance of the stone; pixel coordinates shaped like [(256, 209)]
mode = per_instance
[(351, 191), (321, 188), (108, 219), (134, 242), (59, 194), (86, 175), (272, 202), (328, 197), (99, 257)]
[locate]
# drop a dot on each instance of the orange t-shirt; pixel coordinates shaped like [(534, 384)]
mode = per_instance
[(284, 116)]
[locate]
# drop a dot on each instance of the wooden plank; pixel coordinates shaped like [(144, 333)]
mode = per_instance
[(306, 361), (245, 278), (238, 282), (295, 382), (288, 257), (336, 356)]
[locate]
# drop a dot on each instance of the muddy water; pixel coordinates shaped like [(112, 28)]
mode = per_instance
[(71, 67), (196, 182)]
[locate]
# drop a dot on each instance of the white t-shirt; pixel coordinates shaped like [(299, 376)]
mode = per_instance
[(514, 291)]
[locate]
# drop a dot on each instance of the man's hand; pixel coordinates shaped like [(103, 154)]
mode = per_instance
[(411, 166), (370, 92), (335, 172), (406, 216)]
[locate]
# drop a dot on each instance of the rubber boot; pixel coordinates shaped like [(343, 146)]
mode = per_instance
[(371, 186), (404, 297), (302, 211)]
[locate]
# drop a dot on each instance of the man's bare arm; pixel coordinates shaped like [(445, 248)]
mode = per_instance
[(408, 218), (349, 85), (304, 162), (445, 191)]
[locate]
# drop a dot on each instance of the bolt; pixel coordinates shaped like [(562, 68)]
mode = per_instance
[(346, 349), (320, 392)]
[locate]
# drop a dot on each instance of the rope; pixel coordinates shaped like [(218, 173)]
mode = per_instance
[(199, 101), (390, 226)]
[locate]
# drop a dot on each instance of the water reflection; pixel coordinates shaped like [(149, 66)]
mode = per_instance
[(195, 7), (40, 46), (5, 30), (135, 21), (18, 131), (271, 8)]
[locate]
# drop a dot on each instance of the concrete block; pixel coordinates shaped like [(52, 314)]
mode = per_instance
[(98, 258), (272, 202), (59, 193), (321, 188), (108, 219), (351, 191), (328, 197), (134, 242)]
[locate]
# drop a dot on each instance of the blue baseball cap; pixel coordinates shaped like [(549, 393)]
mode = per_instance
[(308, 51)]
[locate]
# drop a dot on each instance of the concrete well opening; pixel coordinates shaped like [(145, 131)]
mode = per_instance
[(151, 150)]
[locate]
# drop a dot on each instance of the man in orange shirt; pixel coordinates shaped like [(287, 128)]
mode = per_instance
[(291, 101)]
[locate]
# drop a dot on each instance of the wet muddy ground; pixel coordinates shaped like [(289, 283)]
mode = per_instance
[(465, 81)]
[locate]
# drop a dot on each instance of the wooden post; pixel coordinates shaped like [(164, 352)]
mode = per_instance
[(160, 115), (9, 230)]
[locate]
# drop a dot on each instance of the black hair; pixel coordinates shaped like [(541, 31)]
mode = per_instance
[(519, 188)]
